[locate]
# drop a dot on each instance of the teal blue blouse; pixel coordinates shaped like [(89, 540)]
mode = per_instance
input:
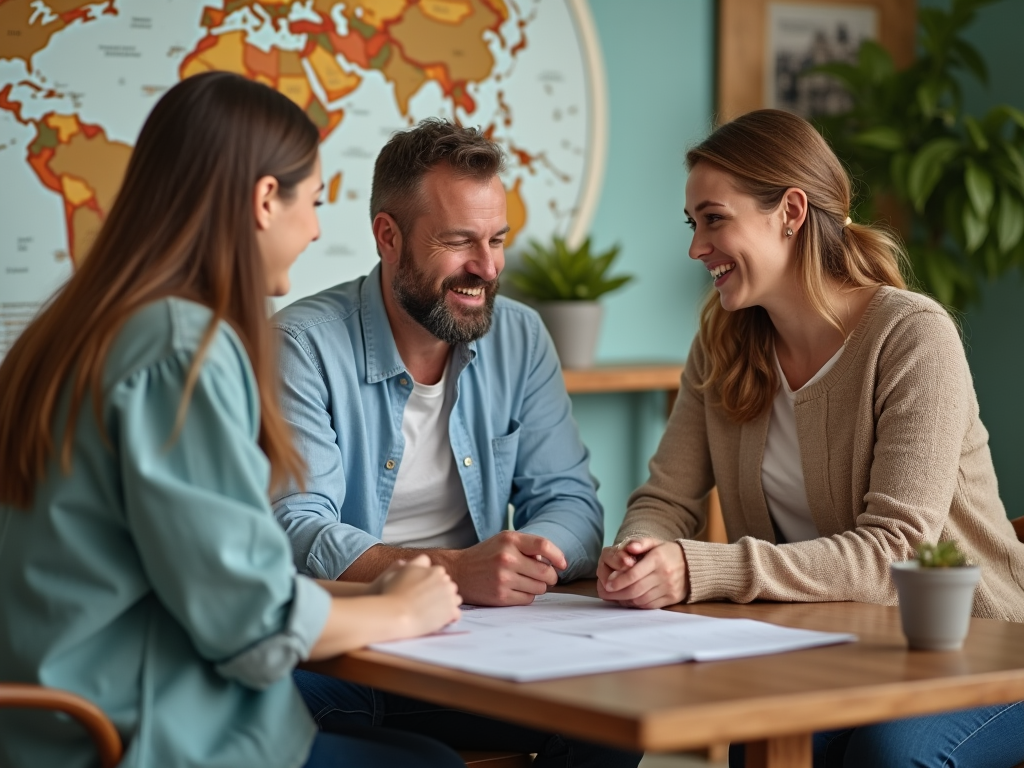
[(153, 579)]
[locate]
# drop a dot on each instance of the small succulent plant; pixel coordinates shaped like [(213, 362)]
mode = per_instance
[(944, 554), (557, 272)]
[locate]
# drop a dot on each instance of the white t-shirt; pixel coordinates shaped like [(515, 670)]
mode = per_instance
[(782, 474), (428, 507)]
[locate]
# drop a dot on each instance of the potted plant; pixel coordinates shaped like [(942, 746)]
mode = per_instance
[(565, 283), (950, 182), (936, 592)]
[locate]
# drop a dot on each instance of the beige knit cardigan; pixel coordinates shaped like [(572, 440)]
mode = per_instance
[(893, 454)]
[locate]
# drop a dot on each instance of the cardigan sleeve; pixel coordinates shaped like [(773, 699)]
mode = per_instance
[(199, 517), (672, 504), (923, 406)]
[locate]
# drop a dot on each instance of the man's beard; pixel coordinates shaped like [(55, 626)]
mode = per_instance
[(430, 308)]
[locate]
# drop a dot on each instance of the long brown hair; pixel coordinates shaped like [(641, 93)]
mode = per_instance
[(182, 225), (767, 152)]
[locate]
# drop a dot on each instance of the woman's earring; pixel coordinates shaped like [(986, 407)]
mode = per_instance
[(789, 231)]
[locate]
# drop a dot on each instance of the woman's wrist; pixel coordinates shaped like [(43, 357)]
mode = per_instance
[(685, 575)]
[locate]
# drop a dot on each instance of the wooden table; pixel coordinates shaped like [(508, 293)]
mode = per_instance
[(774, 703)]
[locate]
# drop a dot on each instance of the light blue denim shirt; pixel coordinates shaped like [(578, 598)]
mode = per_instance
[(344, 390), (153, 579)]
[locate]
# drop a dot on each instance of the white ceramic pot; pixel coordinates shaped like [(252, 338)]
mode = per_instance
[(574, 327), (935, 604)]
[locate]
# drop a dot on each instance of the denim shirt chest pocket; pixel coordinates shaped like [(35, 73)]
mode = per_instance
[(505, 449)]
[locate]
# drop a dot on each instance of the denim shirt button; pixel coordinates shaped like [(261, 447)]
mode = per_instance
[(468, 461), (390, 464), (404, 382)]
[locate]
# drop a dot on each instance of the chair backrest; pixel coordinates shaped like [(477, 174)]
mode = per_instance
[(1018, 527), (102, 731)]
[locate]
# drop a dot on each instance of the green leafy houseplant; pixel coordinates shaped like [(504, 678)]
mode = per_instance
[(557, 272), (952, 183), (944, 554), (566, 283)]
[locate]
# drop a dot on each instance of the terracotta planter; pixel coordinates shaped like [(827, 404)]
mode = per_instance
[(935, 604), (574, 327)]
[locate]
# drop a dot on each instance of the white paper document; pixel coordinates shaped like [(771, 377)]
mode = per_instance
[(565, 635), (525, 653)]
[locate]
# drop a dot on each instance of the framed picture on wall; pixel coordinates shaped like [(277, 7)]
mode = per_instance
[(765, 47)]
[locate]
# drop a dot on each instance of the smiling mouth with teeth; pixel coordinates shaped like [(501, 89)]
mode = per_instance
[(469, 291), (721, 269)]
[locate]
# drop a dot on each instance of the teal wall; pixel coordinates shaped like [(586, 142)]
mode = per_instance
[(660, 84), (660, 66)]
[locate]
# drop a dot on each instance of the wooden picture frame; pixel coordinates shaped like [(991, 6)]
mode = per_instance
[(743, 38)]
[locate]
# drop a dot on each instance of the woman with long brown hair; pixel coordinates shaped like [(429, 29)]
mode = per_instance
[(835, 412), (140, 564)]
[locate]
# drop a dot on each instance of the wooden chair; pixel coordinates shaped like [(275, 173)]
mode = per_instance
[(108, 741), (102, 731)]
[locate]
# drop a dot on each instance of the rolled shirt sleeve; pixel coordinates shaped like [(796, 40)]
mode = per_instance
[(274, 657), (197, 510)]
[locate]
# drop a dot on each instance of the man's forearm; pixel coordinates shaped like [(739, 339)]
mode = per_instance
[(507, 569), (345, 589), (374, 561)]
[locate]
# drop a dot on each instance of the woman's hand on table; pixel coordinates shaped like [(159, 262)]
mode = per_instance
[(407, 600), (643, 573), (425, 593)]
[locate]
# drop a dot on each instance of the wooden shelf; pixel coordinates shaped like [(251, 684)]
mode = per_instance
[(623, 378)]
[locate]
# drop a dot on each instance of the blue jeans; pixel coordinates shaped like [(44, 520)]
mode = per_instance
[(340, 707), (987, 737), (376, 747)]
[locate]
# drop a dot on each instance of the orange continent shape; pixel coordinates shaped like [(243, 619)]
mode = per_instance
[(515, 212)]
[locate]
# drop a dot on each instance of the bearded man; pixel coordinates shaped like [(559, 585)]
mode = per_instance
[(425, 404)]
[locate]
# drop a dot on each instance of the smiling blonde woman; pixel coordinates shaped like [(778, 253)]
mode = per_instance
[(836, 414)]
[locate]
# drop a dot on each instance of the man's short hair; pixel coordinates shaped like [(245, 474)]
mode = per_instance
[(408, 155)]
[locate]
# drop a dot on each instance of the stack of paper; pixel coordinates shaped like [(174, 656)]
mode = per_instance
[(563, 635)]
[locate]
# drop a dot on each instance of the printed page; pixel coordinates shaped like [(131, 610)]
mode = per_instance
[(717, 639), (524, 654), (565, 635)]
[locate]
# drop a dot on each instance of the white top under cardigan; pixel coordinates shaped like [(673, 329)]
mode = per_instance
[(782, 474)]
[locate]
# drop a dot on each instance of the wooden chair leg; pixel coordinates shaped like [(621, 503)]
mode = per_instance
[(716, 753), (781, 752)]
